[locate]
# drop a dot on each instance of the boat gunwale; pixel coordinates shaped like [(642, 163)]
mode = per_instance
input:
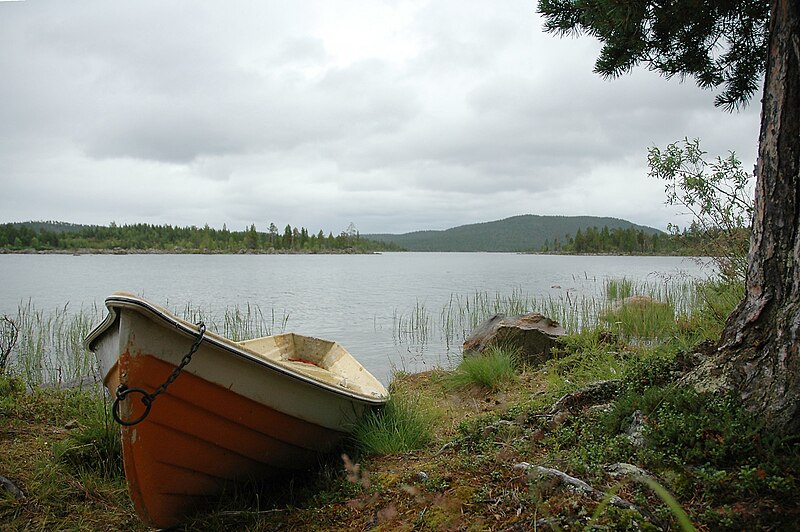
[(135, 303)]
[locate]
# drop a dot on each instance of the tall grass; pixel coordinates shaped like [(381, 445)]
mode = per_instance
[(95, 445), (50, 350), (677, 298), (643, 334), (238, 323)]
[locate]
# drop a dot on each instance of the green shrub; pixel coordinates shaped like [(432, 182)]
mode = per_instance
[(654, 368), (11, 390), (690, 428)]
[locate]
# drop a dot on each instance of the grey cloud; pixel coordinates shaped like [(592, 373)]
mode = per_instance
[(253, 105), (252, 116)]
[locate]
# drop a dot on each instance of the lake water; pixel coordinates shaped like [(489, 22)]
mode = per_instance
[(363, 301)]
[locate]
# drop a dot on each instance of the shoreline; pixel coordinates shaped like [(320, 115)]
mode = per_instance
[(351, 251), (120, 251)]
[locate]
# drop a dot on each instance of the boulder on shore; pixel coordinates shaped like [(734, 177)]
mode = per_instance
[(533, 334)]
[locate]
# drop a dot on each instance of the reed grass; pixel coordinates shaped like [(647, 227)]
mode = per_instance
[(603, 304), (238, 323), (415, 328), (49, 348)]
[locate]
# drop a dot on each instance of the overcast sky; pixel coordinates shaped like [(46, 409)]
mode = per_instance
[(396, 116)]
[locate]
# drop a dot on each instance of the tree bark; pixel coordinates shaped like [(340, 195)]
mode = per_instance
[(758, 351)]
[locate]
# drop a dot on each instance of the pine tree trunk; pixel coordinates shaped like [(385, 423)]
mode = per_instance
[(759, 355)]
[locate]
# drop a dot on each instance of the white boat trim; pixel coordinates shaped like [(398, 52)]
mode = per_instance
[(130, 301)]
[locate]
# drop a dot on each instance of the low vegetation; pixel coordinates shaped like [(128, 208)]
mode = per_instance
[(61, 451), (604, 436)]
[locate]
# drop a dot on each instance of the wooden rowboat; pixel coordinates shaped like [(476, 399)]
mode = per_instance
[(235, 411)]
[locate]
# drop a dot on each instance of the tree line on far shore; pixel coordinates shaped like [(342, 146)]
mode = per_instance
[(58, 236), (693, 240)]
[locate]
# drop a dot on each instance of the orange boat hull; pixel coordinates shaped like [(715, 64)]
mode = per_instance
[(200, 437), (236, 411)]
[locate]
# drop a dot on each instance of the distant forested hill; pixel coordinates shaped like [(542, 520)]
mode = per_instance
[(558, 234), (519, 233)]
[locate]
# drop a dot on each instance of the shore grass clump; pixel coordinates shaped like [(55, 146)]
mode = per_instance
[(12, 390), (93, 443), (714, 302), (49, 346), (404, 423), (490, 369), (617, 289), (58, 451), (641, 318)]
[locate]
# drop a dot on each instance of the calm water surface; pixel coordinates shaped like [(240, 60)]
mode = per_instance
[(354, 299)]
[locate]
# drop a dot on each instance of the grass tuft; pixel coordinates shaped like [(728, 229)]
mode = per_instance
[(491, 369), (405, 423), (93, 444), (641, 318)]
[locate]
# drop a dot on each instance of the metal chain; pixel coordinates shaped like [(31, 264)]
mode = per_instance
[(148, 398), (201, 331)]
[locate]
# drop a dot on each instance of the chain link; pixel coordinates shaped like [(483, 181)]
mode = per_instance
[(184, 361), (148, 398)]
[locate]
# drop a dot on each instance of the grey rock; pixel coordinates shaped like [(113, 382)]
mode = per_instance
[(623, 470), (522, 466), (533, 334), (635, 431), (7, 485)]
